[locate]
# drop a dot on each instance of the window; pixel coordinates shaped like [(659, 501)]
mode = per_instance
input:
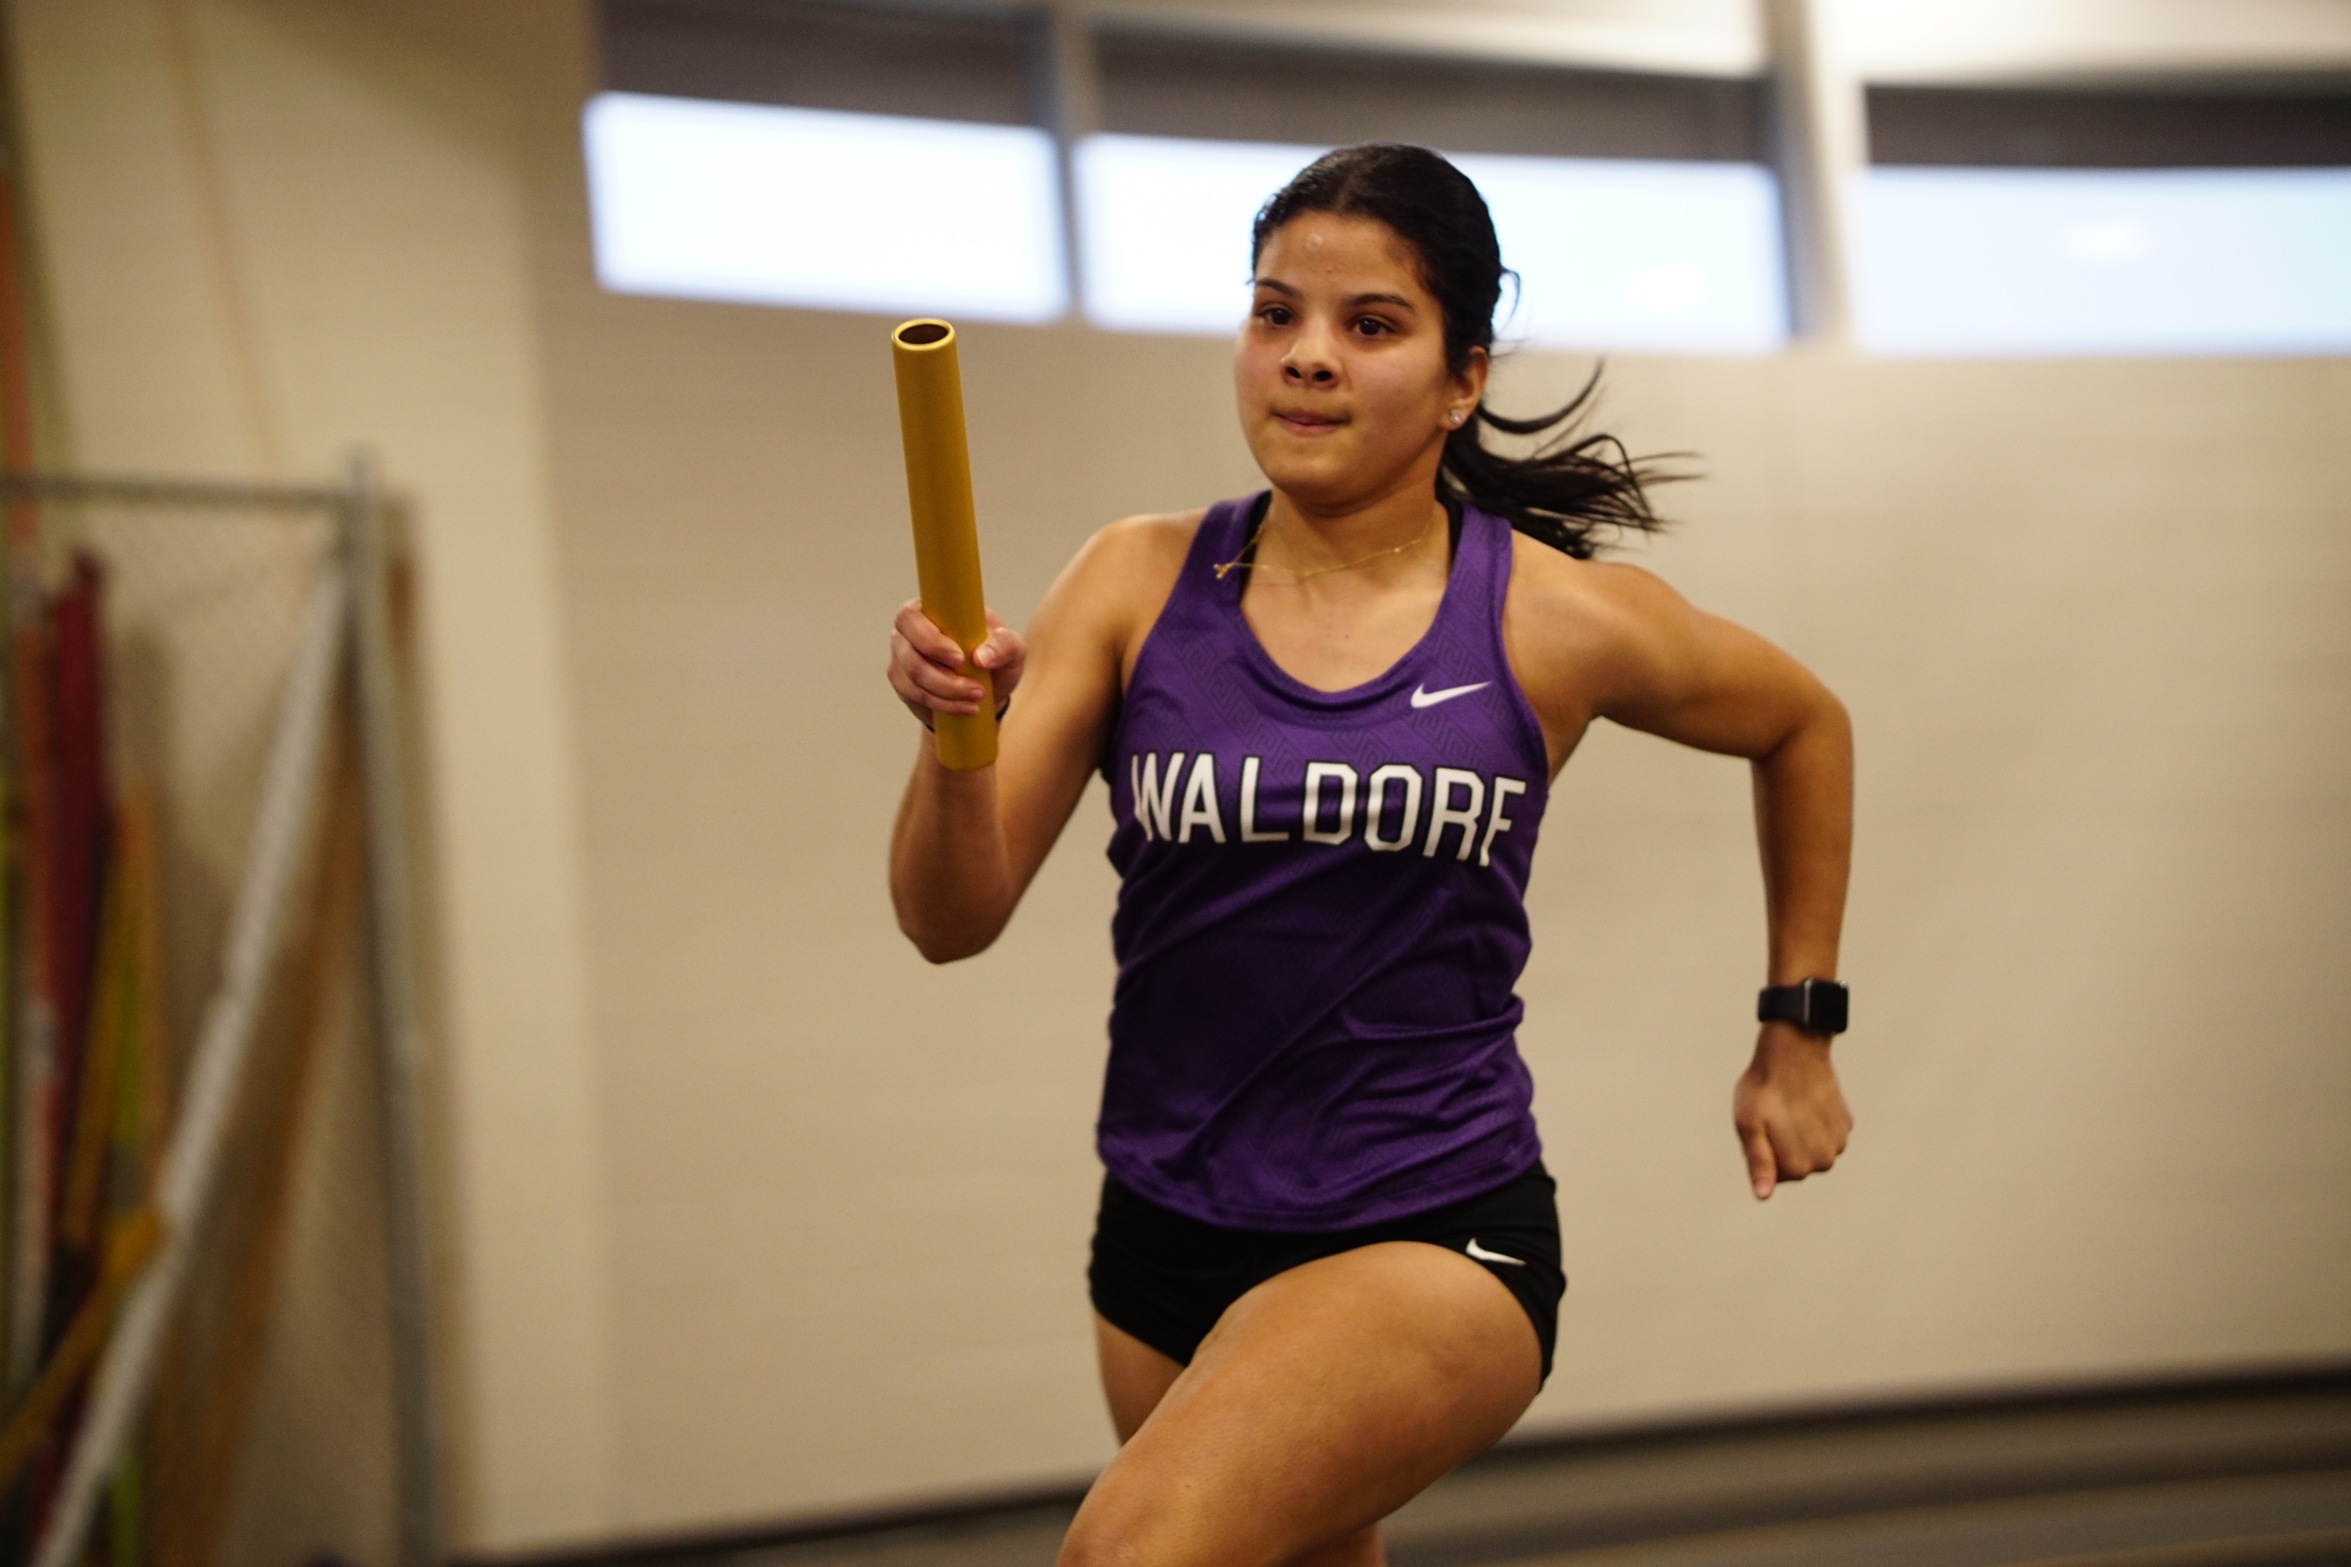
[(2105, 222), (896, 158), (2104, 261), (822, 208), (1610, 253), (1164, 227), (836, 156), (1635, 208), (1635, 254)]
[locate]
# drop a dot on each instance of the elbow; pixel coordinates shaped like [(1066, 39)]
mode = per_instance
[(947, 916), (1824, 720), (1834, 718), (1818, 727), (949, 942), (941, 949), (1828, 746)]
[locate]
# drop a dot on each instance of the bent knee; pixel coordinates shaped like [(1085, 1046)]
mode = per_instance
[(1105, 1534), (1111, 1530), (1091, 1545)]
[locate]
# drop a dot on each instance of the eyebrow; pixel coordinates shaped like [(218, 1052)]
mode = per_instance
[(1280, 287)]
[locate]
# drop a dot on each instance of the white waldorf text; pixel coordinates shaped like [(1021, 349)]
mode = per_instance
[(1179, 799)]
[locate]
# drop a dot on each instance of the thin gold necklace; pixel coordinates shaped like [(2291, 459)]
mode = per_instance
[(1242, 562)]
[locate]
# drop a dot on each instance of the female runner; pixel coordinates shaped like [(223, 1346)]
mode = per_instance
[(1326, 1267)]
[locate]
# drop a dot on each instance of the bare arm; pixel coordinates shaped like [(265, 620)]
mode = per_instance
[(1697, 679), (1615, 642), (966, 845)]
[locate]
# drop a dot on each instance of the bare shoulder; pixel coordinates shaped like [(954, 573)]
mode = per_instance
[(1113, 588), (1564, 608), (1130, 566), (1133, 554), (1581, 633), (1152, 544)]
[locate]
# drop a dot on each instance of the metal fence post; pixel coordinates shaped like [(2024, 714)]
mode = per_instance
[(383, 761)]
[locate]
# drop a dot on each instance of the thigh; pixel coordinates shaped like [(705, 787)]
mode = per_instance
[(1135, 1377), (1326, 1398)]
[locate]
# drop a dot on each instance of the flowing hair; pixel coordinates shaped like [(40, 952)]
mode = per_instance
[(1576, 487)]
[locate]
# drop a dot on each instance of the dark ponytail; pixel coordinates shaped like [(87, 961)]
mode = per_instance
[(1575, 484)]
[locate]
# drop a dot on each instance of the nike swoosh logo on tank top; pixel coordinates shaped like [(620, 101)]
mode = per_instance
[(1423, 697)]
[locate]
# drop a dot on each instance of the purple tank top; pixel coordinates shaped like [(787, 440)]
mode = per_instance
[(1320, 915)]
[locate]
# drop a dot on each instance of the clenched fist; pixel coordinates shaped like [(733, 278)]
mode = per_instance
[(1790, 1114)]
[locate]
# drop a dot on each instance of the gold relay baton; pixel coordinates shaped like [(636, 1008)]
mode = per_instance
[(946, 538)]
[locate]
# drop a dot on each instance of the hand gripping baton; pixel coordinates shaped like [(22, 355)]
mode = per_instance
[(946, 539)]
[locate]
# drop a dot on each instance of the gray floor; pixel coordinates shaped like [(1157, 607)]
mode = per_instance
[(2212, 1479)]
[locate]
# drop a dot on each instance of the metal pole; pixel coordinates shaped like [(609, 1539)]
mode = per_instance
[(131, 489), (1820, 137), (391, 933), (1071, 108)]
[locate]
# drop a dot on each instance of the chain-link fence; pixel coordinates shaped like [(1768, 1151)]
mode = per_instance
[(213, 1302)]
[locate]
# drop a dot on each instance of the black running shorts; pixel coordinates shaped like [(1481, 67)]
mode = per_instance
[(1166, 1278)]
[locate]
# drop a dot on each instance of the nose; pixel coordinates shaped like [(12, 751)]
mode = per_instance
[(1310, 361)]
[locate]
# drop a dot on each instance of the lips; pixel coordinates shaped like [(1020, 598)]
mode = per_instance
[(1304, 422)]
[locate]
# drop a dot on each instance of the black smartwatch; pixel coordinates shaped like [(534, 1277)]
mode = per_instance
[(1816, 1006)]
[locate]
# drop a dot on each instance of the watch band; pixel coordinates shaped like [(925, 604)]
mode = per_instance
[(1817, 1006)]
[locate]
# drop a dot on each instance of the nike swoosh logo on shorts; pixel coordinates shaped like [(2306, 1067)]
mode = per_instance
[(1483, 1255), (1422, 696)]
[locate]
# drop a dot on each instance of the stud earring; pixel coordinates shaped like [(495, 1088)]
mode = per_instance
[(1455, 417)]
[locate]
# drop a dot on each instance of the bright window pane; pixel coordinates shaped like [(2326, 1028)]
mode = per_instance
[(818, 208), (1616, 253), (2104, 261), (1164, 227)]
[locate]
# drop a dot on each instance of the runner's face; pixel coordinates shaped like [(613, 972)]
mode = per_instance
[(1340, 369)]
